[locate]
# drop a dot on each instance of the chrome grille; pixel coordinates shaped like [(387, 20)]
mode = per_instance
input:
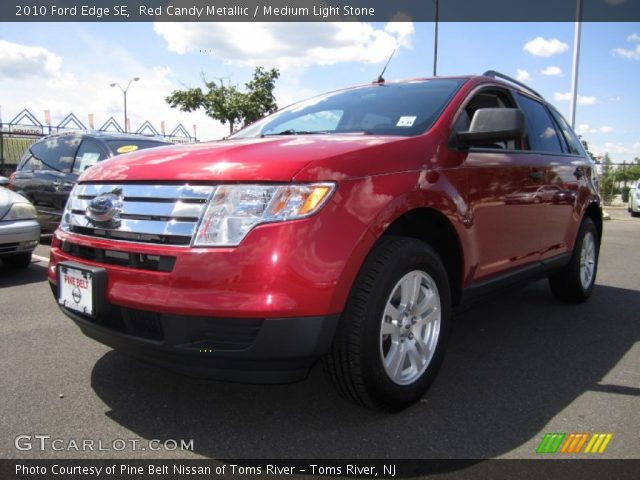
[(166, 214)]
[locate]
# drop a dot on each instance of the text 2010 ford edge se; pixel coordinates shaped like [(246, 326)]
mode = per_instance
[(343, 227)]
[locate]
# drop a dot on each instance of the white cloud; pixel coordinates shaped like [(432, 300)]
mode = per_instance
[(566, 97), (85, 89), (290, 44), (541, 47), (552, 71), (633, 54), (630, 54), (618, 150), (617, 98), (19, 61), (584, 128), (523, 75)]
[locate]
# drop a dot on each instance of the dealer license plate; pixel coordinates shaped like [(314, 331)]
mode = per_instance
[(75, 289)]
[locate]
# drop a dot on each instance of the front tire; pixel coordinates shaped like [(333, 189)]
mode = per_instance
[(574, 282), (393, 332)]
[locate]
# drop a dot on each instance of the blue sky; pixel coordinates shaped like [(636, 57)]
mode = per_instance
[(68, 67)]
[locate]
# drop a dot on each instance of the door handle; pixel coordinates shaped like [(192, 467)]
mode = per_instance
[(536, 175)]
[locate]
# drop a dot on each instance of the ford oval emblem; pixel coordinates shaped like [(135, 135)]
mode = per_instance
[(105, 209)]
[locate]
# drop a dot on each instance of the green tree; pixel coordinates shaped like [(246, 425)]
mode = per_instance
[(229, 105), (607, 180)]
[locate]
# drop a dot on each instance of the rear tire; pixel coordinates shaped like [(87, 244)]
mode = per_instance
[(574, 282), (21, 260), (393, 332)]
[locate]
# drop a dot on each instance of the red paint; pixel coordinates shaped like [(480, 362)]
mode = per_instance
[(307, 267)]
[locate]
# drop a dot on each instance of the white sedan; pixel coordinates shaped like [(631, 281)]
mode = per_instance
[(19, 228), (634, 200)]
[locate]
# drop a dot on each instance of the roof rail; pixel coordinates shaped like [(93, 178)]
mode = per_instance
[(494, 74)]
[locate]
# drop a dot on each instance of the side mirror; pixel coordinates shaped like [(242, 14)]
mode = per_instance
[(491, 125), (4, 181)]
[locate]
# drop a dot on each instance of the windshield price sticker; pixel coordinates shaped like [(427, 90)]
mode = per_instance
[(406, 121)]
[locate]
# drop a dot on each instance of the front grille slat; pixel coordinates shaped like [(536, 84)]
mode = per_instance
[(160, 214), (149, 227), (179, 209), (170, 192)]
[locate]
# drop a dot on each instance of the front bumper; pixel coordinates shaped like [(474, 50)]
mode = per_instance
[(256, 350), (20, 236)]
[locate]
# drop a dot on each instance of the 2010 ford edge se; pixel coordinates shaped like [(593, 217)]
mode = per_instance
[(345, 227)]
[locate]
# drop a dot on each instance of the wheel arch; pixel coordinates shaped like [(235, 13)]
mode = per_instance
[(594, 212), (434, 228)]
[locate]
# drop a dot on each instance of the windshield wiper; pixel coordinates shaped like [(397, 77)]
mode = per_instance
[(291, 131)]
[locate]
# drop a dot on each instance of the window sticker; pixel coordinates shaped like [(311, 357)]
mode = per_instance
[(406, 121), (127, 148)]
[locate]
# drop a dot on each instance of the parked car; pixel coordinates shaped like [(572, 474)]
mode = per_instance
[(345, 227), (19, 229), (50, 167), (533, 194), (634, 200)]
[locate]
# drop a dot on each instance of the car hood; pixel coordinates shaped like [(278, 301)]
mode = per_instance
[(255, 159), (8, 198)]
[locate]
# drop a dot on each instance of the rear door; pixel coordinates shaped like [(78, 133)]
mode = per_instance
[(564, 172)]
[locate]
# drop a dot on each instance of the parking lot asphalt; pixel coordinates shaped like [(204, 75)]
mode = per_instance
[(519, 365)]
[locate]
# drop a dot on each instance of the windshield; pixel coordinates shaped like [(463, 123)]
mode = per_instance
[(407, 109)]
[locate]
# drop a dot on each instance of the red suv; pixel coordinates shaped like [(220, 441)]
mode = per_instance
[(346, 227)]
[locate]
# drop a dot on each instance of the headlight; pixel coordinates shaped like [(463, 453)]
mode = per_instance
[(20, 211), (235, 209)]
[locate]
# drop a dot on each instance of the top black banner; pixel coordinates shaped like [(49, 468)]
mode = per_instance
[(319, 10)]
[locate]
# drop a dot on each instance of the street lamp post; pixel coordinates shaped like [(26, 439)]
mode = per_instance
[(124, 93), (435, 40)]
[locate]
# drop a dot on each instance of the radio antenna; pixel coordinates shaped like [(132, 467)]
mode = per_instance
[(380, 78)]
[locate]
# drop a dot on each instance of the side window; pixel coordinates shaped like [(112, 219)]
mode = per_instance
[(573, 142), (32, 160), (29, 163), (88, 155), (542, 132), (56, 153)]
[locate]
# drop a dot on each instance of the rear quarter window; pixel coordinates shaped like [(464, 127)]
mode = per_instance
[(54, 153)]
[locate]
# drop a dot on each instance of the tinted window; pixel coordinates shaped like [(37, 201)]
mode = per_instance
[(573, 142), (55, 153), (29, 163), (125, 146), (88, 155), (406, 109), (542, 132)]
